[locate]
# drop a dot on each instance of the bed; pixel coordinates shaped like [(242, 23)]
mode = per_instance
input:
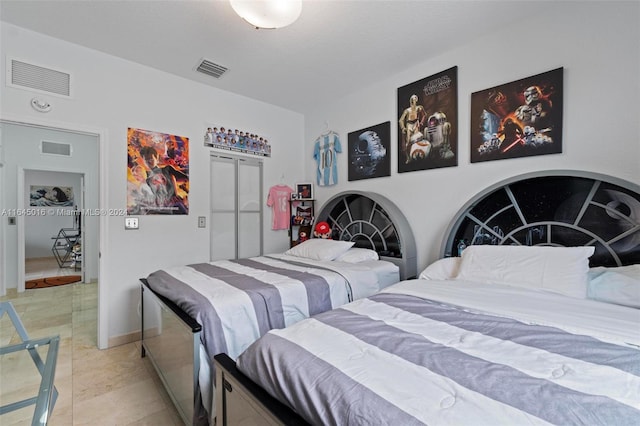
[(537, 322), (190, 313)]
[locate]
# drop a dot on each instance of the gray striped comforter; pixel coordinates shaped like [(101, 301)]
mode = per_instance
[(237, 301), (400, 358)]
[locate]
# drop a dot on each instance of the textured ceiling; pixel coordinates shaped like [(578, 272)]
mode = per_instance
[(334, 48)]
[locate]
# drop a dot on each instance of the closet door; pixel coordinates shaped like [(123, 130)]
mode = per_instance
[(236, 210)]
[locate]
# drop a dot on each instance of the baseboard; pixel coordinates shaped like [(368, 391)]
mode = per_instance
[(124, 339)]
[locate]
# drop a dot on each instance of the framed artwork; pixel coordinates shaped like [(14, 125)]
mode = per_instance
[(304, 191), (428, 122), (369, 155), (51, 196), (157, 173), (518, 119), (237, 140)]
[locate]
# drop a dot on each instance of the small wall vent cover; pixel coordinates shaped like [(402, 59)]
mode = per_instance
[(55, 148), (211, 68), (35, 77)]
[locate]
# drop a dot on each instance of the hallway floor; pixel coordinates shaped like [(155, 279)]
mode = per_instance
[(96, 387)]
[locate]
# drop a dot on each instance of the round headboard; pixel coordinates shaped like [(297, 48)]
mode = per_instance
[(373, 222), (555, 208)]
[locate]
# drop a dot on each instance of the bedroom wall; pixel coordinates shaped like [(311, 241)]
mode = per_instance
[(601, 110), (110, 95)]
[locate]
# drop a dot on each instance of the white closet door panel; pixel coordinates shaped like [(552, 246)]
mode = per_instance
[(223, 189), (249, 237), (249, 184), (223, 236)]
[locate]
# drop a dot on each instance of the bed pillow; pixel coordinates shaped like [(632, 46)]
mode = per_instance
[(320, 249), (620, 285), (356, 255), (441, 269), (561, 270)]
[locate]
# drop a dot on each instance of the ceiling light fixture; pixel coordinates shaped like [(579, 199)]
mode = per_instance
[(268, 14)]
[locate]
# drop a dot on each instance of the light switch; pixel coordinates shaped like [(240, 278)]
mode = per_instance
[(202, 222), (130, 223)]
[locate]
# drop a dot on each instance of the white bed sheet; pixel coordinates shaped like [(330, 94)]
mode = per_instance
[(607, 322)]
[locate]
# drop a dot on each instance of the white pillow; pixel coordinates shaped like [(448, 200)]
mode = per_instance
[(618, 285), (557, 269), (320, 249), (356, 255), (441, 269)]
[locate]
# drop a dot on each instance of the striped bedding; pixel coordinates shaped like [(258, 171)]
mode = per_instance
[(422, 352), (237, 301)]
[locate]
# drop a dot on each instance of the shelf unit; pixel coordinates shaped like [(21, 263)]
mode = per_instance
[(302, 217)]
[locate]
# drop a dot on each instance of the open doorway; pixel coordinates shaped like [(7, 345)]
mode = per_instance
[(53, 237)]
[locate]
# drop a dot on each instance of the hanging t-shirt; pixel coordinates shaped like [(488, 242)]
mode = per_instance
[(324, 152), (278, 200)]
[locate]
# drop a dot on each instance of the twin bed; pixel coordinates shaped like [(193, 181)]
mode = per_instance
[(228, 304), (514, 331)]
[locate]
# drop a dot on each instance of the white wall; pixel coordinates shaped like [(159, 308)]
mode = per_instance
[(40, 229), (110, 95), (597, 43)]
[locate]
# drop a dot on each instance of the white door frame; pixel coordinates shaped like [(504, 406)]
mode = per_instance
[(103, 227)]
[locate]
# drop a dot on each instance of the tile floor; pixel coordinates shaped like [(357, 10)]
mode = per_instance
[(114, 386)]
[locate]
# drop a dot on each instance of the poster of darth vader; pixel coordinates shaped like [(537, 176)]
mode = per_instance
[(369, 155), (428, 122), (518, 119)]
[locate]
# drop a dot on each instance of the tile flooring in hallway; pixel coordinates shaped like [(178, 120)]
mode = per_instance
[(114, 386)]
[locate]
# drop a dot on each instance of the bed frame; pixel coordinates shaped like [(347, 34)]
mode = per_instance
[(559, 208), (171, 338)]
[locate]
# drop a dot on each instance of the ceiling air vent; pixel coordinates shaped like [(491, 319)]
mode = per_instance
[(210, 68), (25, 75), (56, 148)]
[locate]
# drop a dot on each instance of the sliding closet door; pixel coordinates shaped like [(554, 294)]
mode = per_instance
[(236, 208)]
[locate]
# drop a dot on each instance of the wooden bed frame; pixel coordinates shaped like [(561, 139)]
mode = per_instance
[(502, 214), (171, 338)]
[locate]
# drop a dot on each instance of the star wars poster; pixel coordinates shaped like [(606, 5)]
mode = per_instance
[(369, 155), (518, 119), (428, 122), (157, 173)]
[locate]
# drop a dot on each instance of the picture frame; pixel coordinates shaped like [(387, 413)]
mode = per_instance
[(369, 152), (304, 191), (522, 118), (428, 122)]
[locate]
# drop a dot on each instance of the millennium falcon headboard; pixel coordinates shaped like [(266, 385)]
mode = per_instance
[(556, 208), (374, 222)]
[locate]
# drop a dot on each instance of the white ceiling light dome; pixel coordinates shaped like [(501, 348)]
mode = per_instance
[(268, 14)]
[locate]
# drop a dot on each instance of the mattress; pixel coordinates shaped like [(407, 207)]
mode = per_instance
[(430, 352)]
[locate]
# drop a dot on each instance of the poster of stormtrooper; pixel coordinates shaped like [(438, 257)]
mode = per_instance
[(518, 119), (428, 123), (369, 155)]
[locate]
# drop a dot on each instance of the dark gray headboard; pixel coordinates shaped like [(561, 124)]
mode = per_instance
[(374, 222), (556, 208)]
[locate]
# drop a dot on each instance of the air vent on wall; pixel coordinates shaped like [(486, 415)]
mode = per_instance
[(55, 148), (31, 76), (210, 68)]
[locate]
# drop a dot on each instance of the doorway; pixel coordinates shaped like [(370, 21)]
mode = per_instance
[(53, 233), (22, 151)]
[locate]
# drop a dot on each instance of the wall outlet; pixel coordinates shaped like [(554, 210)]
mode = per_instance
[(202, 222), (130, 223)]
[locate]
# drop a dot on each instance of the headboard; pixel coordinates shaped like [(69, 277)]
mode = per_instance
[(555, 208), (373, 222)]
